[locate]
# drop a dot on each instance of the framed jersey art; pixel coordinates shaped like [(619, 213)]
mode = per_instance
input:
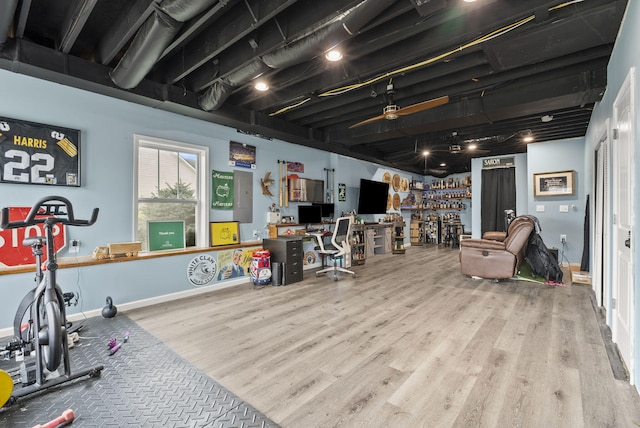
[(33, 153)]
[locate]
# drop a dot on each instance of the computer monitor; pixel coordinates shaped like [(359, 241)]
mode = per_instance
[(309, 214)]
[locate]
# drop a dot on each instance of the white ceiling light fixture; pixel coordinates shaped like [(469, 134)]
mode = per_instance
[(425, 153), (527, 137), (472, 146), (261, 86), (333, 55)]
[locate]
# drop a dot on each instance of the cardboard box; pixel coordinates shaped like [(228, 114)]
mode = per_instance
[(580, 277)]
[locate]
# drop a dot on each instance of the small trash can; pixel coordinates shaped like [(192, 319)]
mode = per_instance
[(260, 268), (276, 273)]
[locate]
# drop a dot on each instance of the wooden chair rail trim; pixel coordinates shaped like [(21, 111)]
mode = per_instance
[(71, 262)]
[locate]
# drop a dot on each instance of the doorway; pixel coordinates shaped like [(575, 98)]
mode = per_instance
[(498, 195), (602, 210), (623, 217)]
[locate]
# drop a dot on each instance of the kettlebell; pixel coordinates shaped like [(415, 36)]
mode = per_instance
[(110, 310)]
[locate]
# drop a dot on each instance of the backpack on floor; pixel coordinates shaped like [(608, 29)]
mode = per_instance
[(542, 261)]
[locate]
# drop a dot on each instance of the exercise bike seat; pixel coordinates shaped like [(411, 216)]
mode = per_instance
[(33, 240)]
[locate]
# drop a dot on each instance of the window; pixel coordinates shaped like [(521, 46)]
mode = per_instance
[(171, 184)]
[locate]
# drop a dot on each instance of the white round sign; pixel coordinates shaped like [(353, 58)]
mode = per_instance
[(202, 269)]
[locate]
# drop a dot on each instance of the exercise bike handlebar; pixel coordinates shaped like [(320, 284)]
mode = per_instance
[(49, 206)]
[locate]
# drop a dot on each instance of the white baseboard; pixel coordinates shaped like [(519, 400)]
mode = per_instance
[(123, 307)]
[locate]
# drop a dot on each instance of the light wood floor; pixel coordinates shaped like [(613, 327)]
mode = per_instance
[(410, 342)]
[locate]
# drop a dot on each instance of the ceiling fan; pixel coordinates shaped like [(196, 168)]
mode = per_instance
[(392, 111)]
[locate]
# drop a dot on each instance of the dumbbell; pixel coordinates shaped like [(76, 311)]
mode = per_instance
[(66, 418)]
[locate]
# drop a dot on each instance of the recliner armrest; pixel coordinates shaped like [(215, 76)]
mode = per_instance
[(482, 244), (495, 236)]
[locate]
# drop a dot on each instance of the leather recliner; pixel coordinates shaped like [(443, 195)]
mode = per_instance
[(486, 258)]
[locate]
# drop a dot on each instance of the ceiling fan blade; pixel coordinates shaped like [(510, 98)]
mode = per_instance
[(364, 122), (415, 108), (425, 105)]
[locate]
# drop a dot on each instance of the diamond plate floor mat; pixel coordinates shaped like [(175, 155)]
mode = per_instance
[(144, 384)]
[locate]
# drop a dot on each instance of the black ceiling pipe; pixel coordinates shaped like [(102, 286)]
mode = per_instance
[(296, 52), (6, 19), (154, 36)]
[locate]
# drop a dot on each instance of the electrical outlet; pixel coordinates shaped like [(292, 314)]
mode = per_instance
[(256, 234), (563, 239), (75, 246)]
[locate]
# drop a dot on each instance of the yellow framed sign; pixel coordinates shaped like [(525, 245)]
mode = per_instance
[(224, 233)]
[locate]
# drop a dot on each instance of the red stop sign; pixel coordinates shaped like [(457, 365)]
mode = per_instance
[(12, 252)]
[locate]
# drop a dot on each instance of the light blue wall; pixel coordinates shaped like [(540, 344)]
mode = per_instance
[(561, 155), (107, 130), (623, 58), (107, 127)]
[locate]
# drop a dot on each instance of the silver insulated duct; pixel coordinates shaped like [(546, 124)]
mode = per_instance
[(295, 53), (152, 39), (9, 11)]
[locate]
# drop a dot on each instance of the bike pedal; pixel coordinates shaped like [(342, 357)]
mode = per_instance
[(72, 339)]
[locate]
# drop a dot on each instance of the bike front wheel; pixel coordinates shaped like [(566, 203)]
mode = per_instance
[(50, 336)]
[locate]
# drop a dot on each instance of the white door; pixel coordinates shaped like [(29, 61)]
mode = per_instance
[(624, 309)]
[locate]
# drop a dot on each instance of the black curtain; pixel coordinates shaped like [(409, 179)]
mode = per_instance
[(586, 246), (498, 194)]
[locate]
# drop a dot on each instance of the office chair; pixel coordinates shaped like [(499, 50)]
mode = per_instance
[(338, 249)]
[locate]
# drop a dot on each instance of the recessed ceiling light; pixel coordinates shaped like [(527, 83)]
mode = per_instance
[(472, 146), (261, 86), (425, 153), (443, 164), (527, 138), (333, 55)]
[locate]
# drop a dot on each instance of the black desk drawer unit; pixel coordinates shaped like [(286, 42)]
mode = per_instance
[(287, 250)]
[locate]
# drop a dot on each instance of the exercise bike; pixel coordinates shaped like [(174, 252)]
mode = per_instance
[(44, 332)]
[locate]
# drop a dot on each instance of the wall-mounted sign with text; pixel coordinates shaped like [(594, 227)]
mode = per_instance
[(507, 162), (166, 235)]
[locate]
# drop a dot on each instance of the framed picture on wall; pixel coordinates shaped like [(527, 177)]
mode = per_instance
[(242, 155), (35, 153), (225, 233), (560, 183), (342, 192)]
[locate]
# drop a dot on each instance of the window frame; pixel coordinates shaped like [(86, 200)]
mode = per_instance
[(202, 191)]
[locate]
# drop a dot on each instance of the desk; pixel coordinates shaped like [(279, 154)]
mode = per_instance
[(298, 229), (287, 250)]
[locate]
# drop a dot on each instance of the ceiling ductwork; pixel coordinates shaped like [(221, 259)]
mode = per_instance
[(9, 10), (158, 31), (504, 69), (295, 53)]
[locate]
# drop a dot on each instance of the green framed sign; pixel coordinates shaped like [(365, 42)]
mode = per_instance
[(165, 235)]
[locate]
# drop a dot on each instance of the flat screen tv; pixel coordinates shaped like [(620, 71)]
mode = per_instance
[(373, 197), (309, 214), (327, 209)]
